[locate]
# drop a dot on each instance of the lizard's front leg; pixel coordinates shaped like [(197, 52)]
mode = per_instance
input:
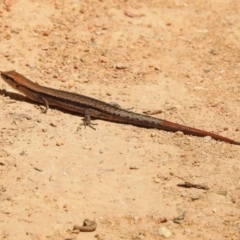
[(87, 119)]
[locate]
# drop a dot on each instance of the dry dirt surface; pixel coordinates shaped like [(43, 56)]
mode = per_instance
[(177, 59)]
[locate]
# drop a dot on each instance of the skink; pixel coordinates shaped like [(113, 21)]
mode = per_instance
[(90, 107)]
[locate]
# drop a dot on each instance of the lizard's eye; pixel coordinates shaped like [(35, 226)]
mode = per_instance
[(6, 77)]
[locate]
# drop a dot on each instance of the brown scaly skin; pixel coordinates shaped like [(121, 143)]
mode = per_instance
[(90, 107)]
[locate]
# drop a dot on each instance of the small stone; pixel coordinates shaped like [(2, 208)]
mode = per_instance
[(31, 65), (15, 30), (157, 180), (195, 197), (44, 47), (164, 232), (213, 52), (179, 133), (120, 66), (187, 231), (59, 143), (207, 70), (53, 124), (198, 88), (136, 218), (207, 139)]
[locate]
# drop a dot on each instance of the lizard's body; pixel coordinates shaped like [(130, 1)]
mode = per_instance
[(90, 107)]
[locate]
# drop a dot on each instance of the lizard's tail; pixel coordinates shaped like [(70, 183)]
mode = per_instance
[(174, 127)]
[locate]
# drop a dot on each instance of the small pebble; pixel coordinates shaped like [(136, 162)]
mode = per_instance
[(164, 232), (179, 133), (157, 180), (53, 124), (207, 70), (120, 66), (195, 197), (207, 139), (59, 143), (198, 88)]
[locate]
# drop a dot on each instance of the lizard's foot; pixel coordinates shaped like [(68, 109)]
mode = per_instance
[(45, 103), (87, 121)]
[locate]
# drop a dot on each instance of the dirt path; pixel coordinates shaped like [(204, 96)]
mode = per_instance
[(179, 58)]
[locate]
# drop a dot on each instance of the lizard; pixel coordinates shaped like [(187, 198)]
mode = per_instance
[(91, 107)]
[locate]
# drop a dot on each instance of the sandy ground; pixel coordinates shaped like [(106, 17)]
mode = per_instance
[(179, 58)]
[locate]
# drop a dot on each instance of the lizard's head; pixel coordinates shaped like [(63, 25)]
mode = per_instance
[(9, 78)]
